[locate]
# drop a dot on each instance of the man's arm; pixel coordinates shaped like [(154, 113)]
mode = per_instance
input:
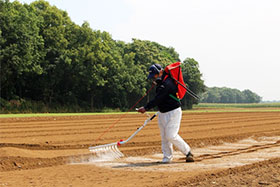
[(160, 96)]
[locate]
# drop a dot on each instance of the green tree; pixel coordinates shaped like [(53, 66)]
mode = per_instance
[(128, 78), (251, 97), (52, 30), (212, 95), (147, 53), (21, 47), (193, 79), (229, 95)]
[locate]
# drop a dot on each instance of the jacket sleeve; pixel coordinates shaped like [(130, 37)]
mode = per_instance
[(161, 94)]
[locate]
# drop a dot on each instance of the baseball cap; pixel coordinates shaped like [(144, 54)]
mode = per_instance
[(153, 70)]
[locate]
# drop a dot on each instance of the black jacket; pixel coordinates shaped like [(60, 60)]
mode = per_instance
[(163, 100)]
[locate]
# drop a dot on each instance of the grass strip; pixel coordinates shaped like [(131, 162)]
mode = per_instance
[(237, 105)]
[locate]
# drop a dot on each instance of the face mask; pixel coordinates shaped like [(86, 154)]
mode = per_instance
[(157, 81)]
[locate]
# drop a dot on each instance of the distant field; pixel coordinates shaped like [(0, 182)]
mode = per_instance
[(237, 105), (200, 108)]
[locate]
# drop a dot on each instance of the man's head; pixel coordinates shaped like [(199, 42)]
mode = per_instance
[(155, 71)]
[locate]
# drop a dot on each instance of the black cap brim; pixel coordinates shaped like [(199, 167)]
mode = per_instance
[(151, 75)]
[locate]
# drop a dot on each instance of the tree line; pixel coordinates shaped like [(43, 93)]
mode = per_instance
[(229, 95), (48, 63)]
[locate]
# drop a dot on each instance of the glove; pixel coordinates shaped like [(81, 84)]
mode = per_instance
[(141, 110)]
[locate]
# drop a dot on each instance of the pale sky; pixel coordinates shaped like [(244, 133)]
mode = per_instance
[(236, 42)]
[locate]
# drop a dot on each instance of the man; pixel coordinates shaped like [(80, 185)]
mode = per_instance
[(170, 114)]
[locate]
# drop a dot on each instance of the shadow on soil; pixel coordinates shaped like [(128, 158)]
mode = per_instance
[(142, 164)]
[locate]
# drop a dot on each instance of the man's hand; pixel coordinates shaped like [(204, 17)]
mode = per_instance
[(142, 110)]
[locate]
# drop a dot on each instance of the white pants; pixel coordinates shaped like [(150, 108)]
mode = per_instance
[(169, 124)]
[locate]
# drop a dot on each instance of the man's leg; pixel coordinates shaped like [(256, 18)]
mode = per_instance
[(172, 129), (166, 146)]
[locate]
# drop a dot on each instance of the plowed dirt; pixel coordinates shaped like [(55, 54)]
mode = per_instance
[(230, 148)]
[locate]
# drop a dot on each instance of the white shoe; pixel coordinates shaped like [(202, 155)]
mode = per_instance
[(166, 160)]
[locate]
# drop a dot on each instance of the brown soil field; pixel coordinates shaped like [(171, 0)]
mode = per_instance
[(230, 149)]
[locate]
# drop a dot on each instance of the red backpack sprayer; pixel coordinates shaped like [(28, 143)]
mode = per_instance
[(172, 70), (175, 72)]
